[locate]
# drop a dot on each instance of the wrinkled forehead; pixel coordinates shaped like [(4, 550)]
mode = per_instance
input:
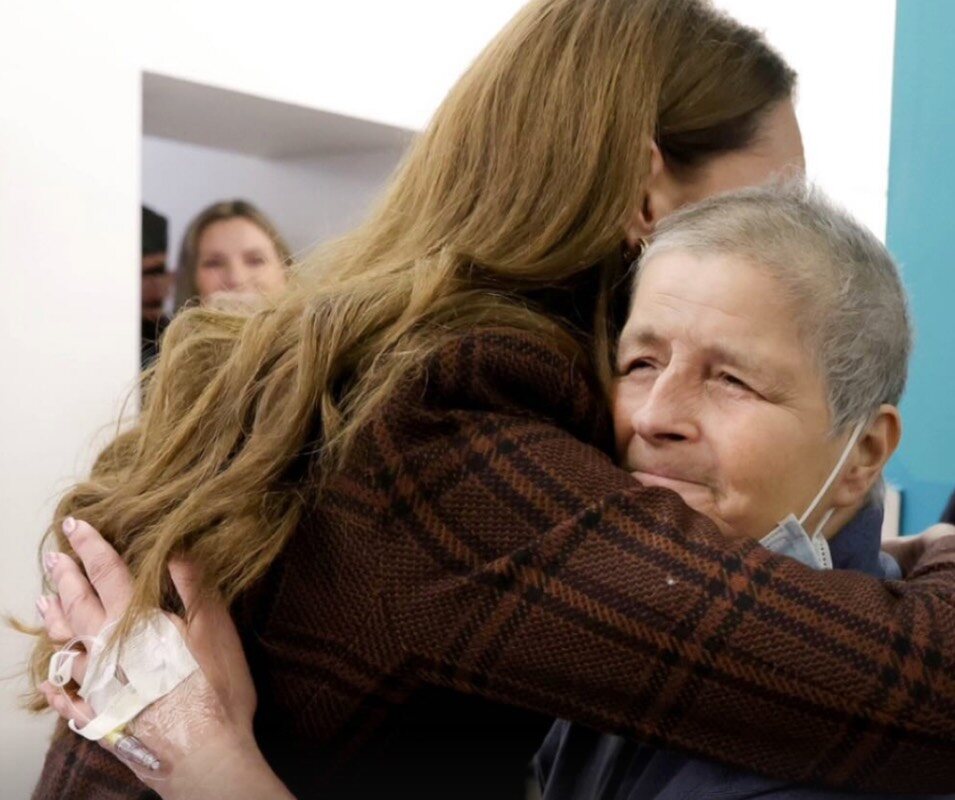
[(724, 285), (723, 306), (734, 282)]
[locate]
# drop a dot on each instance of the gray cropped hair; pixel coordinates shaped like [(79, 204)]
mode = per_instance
[(844, 285)]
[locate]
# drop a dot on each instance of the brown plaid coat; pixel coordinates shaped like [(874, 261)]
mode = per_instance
[(483, 566)]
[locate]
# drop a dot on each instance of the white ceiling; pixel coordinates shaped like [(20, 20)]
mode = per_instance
[(242, 123)]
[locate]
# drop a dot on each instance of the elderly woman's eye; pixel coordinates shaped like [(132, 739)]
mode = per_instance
[(639, 364), (732, 380)]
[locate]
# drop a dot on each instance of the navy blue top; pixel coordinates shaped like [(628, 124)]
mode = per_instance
[(577, 763)]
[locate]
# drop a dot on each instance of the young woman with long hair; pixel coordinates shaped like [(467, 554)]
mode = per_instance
[(400, 476)]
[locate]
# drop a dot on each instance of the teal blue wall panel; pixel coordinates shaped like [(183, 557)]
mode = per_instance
[(921, 234)]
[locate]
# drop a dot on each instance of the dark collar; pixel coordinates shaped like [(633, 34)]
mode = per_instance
[(857, 545)]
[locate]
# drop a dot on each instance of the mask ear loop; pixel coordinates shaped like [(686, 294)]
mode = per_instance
[(853, 439)]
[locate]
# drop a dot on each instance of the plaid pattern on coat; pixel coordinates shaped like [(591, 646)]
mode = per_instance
[(482, 566)]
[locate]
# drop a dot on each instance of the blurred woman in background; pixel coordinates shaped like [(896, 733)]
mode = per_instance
[(231, 247)]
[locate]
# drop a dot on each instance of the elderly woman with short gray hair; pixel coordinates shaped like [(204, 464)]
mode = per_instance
[(760, 372)]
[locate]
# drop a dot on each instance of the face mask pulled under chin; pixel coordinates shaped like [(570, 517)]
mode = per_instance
[(790, 538)]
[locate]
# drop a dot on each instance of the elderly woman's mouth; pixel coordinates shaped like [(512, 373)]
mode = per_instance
[(668, 479)]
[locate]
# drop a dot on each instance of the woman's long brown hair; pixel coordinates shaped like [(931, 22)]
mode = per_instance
[(521, 184)]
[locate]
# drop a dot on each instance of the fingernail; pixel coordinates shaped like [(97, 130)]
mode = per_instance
[(42, 605), (69, 526), (49, 561)]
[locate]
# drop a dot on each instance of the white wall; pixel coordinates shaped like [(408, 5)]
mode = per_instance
[(309, 200), (69, 192), (843, 52), (69, 165), (382, 60)]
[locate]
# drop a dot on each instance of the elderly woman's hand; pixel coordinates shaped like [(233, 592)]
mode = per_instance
[(201, 732), (936, 543)]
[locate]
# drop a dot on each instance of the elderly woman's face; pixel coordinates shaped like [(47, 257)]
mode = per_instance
[(717, 397)]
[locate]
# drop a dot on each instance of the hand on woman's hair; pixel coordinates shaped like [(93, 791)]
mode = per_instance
[(201, 732)]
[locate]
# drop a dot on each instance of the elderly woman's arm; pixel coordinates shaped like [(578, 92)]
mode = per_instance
[(201, 731)]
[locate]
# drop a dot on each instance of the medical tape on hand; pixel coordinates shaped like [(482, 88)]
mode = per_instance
[(123, 680)]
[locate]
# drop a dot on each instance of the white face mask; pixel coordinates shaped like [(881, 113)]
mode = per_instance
[(790, 537)]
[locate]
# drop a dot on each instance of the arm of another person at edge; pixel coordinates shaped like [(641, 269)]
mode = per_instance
[(933, 547), (527, 568)]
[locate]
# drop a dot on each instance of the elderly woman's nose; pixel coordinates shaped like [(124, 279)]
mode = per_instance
[(668, 413)]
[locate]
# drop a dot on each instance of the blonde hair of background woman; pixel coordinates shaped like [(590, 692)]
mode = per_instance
[(523, 180), (186, 288)]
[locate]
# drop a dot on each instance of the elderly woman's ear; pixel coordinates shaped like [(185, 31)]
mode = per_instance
[(870, 454)]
